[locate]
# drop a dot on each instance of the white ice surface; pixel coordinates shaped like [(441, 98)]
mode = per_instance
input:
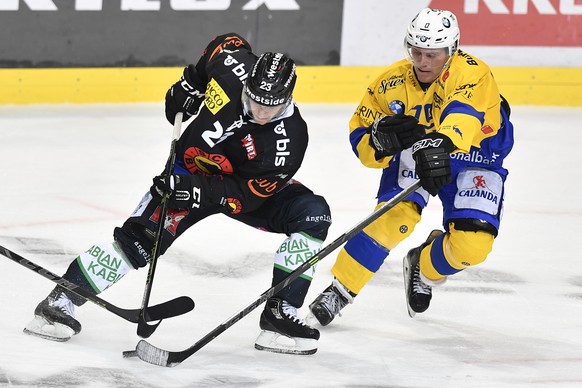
[(69, 174)]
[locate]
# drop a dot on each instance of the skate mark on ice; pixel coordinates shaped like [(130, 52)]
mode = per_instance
[(245, 266), (80, 377), (35, 246), (576, 281), (45, 252), (5, 380), (227, 381), (472, 280), (476, 290)]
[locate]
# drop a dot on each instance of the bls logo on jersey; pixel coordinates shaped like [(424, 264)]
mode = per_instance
[(239, 69), (216, 97), (282, 144)]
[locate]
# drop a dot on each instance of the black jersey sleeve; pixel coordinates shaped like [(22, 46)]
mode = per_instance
[(196, 76), (230, 41)]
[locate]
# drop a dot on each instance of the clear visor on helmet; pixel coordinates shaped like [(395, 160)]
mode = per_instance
[(430, 58), (262, 114)]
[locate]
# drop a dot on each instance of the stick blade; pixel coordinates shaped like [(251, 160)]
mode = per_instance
[(129, 353), (144, 330), (169, 309), (151, 354)]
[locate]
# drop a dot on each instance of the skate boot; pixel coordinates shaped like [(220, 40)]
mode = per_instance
[(329, 303), (418, 293), (283, 331), (54, 318)]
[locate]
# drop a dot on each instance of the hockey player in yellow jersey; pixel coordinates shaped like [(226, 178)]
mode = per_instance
[(437, 116)]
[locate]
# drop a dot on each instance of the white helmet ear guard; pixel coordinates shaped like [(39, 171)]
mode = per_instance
[(433, 28)]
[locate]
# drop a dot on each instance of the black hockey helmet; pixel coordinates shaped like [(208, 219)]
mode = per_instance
[(272, 80)]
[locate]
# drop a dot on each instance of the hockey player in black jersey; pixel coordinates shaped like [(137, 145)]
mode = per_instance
[(236, 157)]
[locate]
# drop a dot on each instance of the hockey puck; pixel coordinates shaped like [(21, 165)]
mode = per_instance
[(129, 353)]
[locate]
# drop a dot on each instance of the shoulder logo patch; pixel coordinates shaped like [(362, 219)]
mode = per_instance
[(216, 97)]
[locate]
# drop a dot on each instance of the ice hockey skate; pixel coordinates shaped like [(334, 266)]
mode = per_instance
[(54, 318), (330, 302), (283, 331), (418, 293)]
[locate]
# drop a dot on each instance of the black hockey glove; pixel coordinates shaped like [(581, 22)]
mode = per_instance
[(185, 95), (392, 134), (433, 164), (184, 190)]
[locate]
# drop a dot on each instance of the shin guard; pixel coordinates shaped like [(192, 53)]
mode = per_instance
[(103, 265), (295, 250)]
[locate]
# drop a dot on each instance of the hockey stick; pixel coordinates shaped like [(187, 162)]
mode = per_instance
[(144, 330), (154, 355), (168, 309)]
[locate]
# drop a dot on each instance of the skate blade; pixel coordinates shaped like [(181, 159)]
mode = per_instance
[(407, 267), (40, 327), (277, 343), (411, 312)]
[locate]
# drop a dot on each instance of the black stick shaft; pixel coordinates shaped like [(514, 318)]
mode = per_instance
[(168, 309), (149, 353), (143, 329)]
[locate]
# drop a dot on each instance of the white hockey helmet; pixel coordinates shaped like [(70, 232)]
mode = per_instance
[(433, 28)]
